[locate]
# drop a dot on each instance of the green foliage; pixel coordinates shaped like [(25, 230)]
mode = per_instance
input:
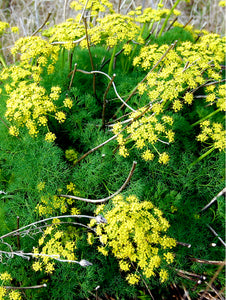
[(52, 112)]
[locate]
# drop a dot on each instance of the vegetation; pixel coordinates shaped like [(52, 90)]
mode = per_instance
[(112, 158)]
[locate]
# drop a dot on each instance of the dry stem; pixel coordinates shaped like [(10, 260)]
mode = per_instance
[(109, 197)]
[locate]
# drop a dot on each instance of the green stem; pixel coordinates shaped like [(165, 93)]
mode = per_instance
[(202, 156), (167, 18), (207, 117), (130, 58), (2, 60), (110, 68)]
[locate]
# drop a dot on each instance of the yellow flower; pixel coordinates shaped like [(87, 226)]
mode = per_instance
[(3, 292), (163, 158), (188, 98), (102, 250), (90, 238), (127, 48), (60, 116), (169, 257), (50, 137), (177, 105), (68, 102), (5, 276), (222, 3), (15, 29), (13, 130), (133, 279), (15, 295), (124, 266), (75, 211), (41, 186), (147, 155), (37, 266), (49, 268), (163, 275)]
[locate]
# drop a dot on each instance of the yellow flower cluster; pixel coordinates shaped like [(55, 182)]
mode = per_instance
[(8, 293), (184, 68), (3, 27), (113, 29), (174, 80), (150, 15), (214, 131), (54, 244), (50, 204), (136, 235), (222, 3), (34, 47), (29, 104), (146, 132), (66, 33), (93, 6)]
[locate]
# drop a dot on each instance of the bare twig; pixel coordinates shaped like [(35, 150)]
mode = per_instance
[(188, 22), (83, 11), (212, 280), (25, 287), (100, 72), (186, 293), (216, 234), (109, 197), (112, 138), (157, 63), (104, 100), (90, 56), (98, 218), (184, 244), (46, 20), (73, 42), (209, 262), (18, 235), (201, 277), (214, 199), (72, 77)]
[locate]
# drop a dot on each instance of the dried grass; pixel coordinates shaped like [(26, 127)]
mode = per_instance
[(28, 15)]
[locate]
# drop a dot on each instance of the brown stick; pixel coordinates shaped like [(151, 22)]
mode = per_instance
[(209, 262), (109, 197), (104, 100), (72, 77), (18, 234), (25, 287), (90, 55), (212, 280), (46, 20), (111, 139)]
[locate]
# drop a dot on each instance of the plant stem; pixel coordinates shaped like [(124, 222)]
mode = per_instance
[(202, 156), (209, 262), (2, 60), (46, 20), (25, 287), (167, 18), (136, 87), (72, 77), (109, 197), (90, 56), (44, 220), (207, 117), (104, 101), (110, 67), (214, 199)]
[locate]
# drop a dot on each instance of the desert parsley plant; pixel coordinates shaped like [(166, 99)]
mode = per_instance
[(84, 101)]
